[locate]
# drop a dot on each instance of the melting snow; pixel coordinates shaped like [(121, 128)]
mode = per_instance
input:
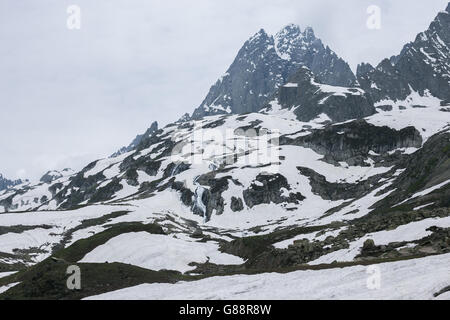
[(158, 252), (411, 279)]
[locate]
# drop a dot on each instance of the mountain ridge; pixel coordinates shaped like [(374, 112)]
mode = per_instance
[(264, 63), (422, 66), (6, 183), (321, 182)]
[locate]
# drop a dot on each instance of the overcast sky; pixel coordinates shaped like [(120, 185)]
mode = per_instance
[(71, 96)]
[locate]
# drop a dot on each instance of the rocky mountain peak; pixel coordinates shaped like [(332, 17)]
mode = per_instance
[(422, 66), (294, 32), (291, 31), (386, 66), (258, 38), (364, 68), (309, 33), (292, 41), (7, 183), (290, 28), (264, 63)]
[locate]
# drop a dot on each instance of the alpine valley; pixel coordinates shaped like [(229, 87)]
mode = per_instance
[(352, 176)]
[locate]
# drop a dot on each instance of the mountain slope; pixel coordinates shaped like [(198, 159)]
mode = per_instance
[(318, 184), (6, 183), (310, 99), (423, 66), (133, 145), (264, 63), (230, 166)]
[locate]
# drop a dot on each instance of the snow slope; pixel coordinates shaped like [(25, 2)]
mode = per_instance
[(411, 279), (158, 252)]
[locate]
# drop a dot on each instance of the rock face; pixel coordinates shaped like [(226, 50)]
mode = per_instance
[(309, 99), (304, 49), (270, 189), (6, 183), (264, 63), (427, 167), (422, 66), (352, 142), (153, 128)]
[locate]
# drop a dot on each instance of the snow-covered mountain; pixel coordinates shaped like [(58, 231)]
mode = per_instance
[(423, 66), (6, 183), (264, 63), (316, 182)]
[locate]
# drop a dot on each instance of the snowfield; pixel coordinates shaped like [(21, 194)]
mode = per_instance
[(158, 252), (427, 118), (7, 287), (411, 279), (408, 232)]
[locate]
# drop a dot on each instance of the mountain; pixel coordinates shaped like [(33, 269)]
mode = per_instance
[(422, 67), (31, 195), (152, 129), (367, 191), (6, 183), (264, 63), (318, 183)]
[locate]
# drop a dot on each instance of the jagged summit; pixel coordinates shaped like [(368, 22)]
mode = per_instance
[(423, 66), (290, 30), (264, 63), (290, 27), (309, 32), (7, 183), (259, 34), (291, 39)]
